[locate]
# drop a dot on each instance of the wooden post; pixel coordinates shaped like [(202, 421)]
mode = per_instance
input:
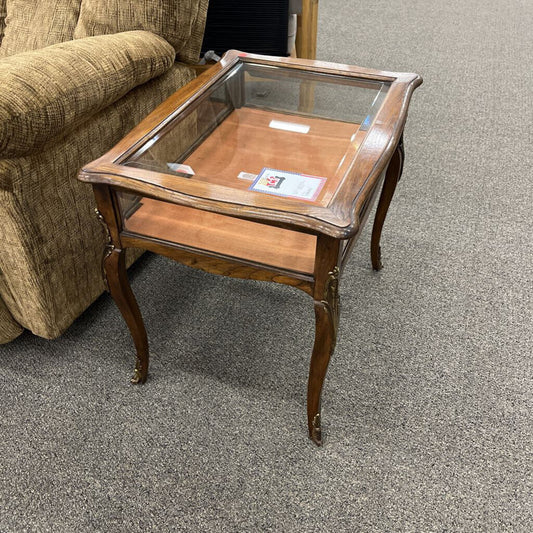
[(307, 30)]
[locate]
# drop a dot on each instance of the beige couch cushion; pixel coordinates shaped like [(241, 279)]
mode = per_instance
[(48, 92), (32, 24), (180, 22)]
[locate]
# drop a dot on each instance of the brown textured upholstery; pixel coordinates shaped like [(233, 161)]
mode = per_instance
[(60, 108), (181, 22), (190, 53), (76, 79), (32, 24), (2, 18), (51, 243), (9, 327)]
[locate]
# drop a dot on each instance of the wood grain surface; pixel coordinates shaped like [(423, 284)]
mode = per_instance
[(245, 142), (231, 237)]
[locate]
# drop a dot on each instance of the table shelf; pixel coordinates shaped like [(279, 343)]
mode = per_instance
[(230, 237)]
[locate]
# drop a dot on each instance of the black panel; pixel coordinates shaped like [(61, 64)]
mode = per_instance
[(254, 26)]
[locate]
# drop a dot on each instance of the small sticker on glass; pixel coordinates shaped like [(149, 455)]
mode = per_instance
[(178, 168)]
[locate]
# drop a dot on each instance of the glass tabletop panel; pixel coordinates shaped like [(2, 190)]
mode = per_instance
[(270, 130)]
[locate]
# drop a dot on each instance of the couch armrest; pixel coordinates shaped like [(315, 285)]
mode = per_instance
[(50, 91)]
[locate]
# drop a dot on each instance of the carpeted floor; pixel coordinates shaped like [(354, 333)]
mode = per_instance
[(427, 405)]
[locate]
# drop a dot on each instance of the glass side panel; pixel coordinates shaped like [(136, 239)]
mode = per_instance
[(273, 130), (229, 237)]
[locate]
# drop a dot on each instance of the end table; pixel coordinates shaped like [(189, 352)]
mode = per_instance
[(232, 175)]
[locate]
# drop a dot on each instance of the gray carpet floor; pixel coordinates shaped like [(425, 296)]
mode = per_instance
[(427, 405)]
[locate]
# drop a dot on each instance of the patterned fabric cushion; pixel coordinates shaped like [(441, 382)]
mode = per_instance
[(2, 18), (190, 53), (50, 91), (178, 21), (34, 24)]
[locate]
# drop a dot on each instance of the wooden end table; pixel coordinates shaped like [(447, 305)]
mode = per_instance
[(232, 175)]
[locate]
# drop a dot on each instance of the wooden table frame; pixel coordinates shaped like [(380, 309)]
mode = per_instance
[(336, 227)]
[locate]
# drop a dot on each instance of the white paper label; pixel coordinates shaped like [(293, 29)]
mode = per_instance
[(289, 184), (289, 126), (247, 176)]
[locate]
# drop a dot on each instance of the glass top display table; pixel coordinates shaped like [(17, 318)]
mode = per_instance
[(262, 168)]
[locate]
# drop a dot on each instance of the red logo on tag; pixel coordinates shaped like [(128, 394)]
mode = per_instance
[(274, 182)]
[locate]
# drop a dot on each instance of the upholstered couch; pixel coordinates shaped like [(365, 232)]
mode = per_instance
[(75, 76)]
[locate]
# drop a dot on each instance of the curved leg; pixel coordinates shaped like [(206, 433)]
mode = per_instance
[(392, 176), (327, 319), (119, 287)]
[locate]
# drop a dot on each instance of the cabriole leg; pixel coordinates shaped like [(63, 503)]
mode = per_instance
[(326, 301), (327, 320), (119, 287), (392, 176)]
